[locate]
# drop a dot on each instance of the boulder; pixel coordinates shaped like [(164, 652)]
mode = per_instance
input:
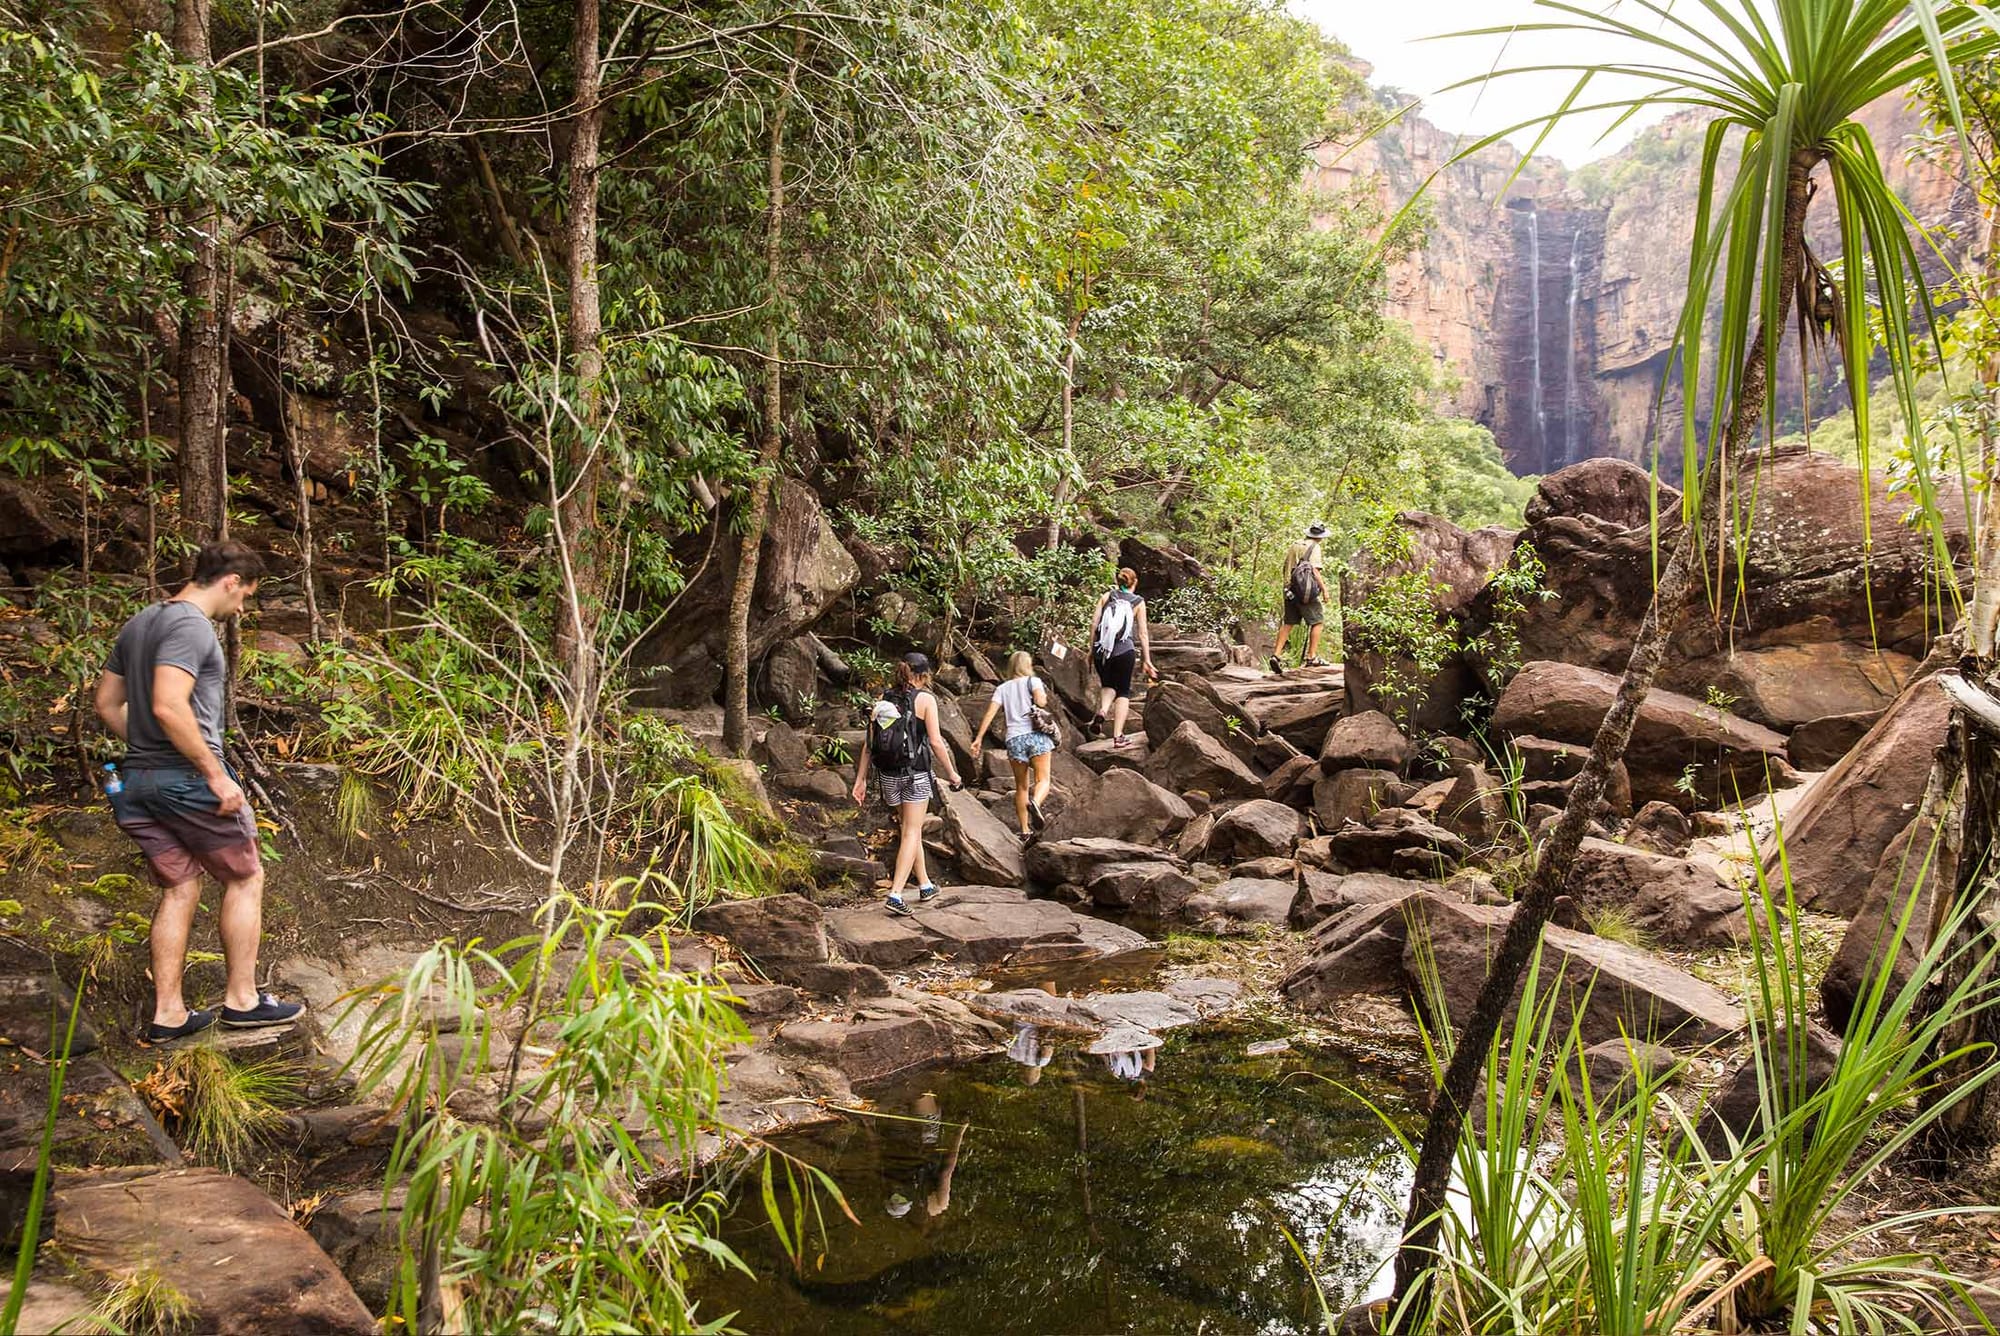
[(30, 532), (1195, 838), (1836, 835), (1611, 989), (1369, 740), (1152, 889), (1358, 950), (826, 787), (1259, 828), (1292, 782), (1355, 795), (1675, 736), (1171, 703), (1125, 805), (802, 569), (784, 748), (1054, 862), (361, 1233), (1818, 744), (1798, 1064), (1160, 566), (1322, 895), (1660, 828), (1196, 657), (1476, 807), (989, 853), (791, 679), (1301, 718), (987, 925), (1671, 900), (1619, 990), (1104, 755), (1905, 883), (1247, 900), (189, 1225), (1373, 847), (885, 1038), (1192, 760), (1616, 1066), (1456, 563), (1615, 492), (1828, 620), (774, 930)]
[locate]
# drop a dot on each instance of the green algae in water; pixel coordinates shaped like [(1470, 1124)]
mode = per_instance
[(1078, 1202)]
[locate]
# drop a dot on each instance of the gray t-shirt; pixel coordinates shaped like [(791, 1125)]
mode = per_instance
[(179, 635)]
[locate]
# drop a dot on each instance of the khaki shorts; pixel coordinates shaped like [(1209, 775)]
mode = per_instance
[(172, 815)]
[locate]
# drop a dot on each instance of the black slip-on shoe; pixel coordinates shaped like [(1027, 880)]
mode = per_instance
[(196, 1022), (268, 1011), (1277, 669)]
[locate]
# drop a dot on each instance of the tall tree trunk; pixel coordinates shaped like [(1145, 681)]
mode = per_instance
[(576, 527), (1671, 599), (1061, 497), (750, 547), (203, 370)]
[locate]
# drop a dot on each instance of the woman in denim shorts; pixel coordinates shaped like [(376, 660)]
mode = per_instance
[(1028, 751)]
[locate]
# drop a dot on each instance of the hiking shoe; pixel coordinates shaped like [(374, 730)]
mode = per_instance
[(1097, 726), (1035, 815), (1277, 669), (926, 892), (268, 1011), (894, 904), (196, 1022), (1316, 662)]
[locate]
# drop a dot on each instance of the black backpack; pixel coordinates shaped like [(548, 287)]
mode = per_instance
[(1302, 587), (901, 747)]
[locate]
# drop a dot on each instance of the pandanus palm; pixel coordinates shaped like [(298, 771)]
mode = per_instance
[(1783, 81)]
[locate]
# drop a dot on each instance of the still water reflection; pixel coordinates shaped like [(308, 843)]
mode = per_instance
[(1076, 1195)]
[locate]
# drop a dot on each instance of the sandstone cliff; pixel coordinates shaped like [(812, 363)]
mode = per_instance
[(1555, 305)]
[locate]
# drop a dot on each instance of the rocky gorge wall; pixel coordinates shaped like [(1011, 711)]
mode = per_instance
[(1553, 300)]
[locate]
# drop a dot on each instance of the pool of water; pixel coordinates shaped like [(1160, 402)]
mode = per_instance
[(1067, 1199)]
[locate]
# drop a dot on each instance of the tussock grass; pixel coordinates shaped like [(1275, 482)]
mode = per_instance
[(216, 1106), (145, 1303)]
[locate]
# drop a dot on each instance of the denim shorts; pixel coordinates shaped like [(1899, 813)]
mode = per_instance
[(1028, 746)]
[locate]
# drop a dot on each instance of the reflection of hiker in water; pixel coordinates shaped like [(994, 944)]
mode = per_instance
[(1028, 1049), (917, 1165), (1128, 1052)]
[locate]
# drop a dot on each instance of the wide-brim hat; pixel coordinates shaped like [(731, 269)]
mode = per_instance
[(1317, 530)]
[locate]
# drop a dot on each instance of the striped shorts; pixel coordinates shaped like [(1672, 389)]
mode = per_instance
[(915, 787)]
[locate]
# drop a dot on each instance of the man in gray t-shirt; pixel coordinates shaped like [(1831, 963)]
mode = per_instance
[(162, 693)]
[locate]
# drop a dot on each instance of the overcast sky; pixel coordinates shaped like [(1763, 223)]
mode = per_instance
[(1387, 34)]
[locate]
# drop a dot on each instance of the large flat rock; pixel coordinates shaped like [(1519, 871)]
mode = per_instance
[(241, 1262), (1613, 989), (979, 925)]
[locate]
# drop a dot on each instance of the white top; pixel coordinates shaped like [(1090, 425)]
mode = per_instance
[(1017, 696)]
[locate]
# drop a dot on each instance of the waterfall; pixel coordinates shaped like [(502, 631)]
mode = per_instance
[(1535, 331), (1569, 357)]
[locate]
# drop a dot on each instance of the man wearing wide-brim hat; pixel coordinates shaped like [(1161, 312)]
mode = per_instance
[(1305, 597)]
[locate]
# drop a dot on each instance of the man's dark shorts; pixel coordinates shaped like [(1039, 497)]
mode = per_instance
[(1311, 613), (173, 816)]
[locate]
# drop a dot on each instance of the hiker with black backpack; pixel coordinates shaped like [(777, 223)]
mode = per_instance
[(1120, 643), (903, 742), (1305, 598)]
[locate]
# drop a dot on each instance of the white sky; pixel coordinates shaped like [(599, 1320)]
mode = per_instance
[(1387, 34)]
